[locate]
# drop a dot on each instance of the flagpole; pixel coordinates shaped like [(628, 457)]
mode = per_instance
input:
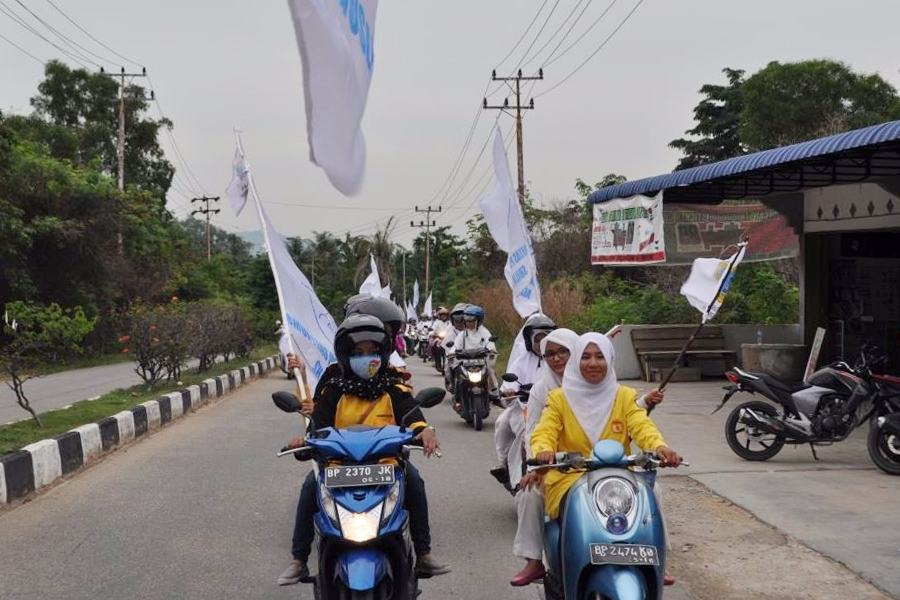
[(677, 364), (299, 377)]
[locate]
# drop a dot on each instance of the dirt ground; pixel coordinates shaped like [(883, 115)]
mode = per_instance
[(719, 551)]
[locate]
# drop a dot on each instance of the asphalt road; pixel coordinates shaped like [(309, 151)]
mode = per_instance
[(203, 509)]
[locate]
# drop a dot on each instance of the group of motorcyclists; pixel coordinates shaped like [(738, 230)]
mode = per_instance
[(559, 395)]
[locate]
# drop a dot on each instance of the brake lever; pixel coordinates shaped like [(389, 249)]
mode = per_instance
[(437, 453), (286, 451)]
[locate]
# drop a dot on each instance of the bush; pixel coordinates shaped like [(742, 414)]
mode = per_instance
[(158, 341)]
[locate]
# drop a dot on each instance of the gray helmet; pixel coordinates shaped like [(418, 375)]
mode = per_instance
[(353, 301), (535, 324)]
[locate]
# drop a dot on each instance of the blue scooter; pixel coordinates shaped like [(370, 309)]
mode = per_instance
[(362, 527), (609, 540)]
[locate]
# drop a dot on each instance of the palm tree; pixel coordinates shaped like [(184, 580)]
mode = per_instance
[(378, 244)]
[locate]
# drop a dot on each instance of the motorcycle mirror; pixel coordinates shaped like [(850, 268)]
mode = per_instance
[(494, 338), (286, 401), (510, 377), (430, 397)]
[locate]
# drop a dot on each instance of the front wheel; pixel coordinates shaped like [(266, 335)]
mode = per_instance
[(748, 442), (884, 450), (476, 414)]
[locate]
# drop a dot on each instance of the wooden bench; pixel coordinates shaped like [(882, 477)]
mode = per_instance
[(663, 343)]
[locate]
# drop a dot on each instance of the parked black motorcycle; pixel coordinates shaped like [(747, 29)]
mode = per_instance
[(827, 409)]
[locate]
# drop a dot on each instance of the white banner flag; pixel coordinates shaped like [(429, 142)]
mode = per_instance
[(337, 48), (411, 312), (428, 310), (628, 231), (709, 281), (308, 326), (372, 283), (505, 220), (416, 295), (386, 292), (240, 186)]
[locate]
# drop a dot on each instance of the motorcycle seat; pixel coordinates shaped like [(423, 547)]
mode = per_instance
[(788, 387)]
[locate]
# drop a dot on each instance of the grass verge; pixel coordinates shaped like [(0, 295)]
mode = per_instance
[(16, 435)]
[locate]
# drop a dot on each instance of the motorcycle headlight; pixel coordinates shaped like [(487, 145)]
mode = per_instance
[(328, 504), (614, 496), (390, 503), (475, 376), (359, 527)]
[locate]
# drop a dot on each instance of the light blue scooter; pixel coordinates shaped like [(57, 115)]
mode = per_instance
[(609, 540)]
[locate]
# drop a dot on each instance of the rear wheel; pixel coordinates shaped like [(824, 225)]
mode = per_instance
[(748, 442), (884, 449)]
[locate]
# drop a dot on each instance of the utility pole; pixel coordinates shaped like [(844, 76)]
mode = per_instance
[(428, 223), (206, 211), (519, 107), (405, 303)]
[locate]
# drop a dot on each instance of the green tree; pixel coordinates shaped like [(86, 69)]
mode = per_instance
[(715, 136), (794, 102)]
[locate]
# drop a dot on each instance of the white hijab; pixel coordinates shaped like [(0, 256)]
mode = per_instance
[(565, 338), (592, 404)]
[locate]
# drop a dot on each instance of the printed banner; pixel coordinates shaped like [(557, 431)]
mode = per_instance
[(337, 48), (628, 231), (698, 230)]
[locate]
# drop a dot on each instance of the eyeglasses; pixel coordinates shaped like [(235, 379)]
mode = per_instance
[(561, 354)]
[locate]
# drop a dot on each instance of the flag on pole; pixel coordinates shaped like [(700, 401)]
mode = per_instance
[(309, 327), (337, 49), (372, 283), (710, 280), (240, 185), (386, 292), (411, 312), (415, 302), (428, 309), (506, 222)]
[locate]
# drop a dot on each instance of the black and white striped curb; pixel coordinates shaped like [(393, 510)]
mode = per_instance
[(42, 463)]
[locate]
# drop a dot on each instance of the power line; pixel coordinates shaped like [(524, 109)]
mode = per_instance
[(537, 37), (594, 53), (558, 29), (551, 59), (12, 43), (527, 29), (21, 22), (125, 58), (64, 38)]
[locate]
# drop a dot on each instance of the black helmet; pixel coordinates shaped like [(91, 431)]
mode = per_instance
[(353, 301), (381, 308), (536, 323), (361, 328)]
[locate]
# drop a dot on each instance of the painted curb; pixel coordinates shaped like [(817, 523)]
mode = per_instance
[(44, 462)]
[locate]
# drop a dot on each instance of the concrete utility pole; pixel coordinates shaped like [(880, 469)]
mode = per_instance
[(206, 211), (120, 145), (405, 303), (428, 223), (519, 107)]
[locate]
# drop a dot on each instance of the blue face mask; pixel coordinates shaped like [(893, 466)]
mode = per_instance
[(365, 366)]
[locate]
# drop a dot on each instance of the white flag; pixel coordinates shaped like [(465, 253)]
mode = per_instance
[(240, 185), (337, 48), (411, 312), (505, 220), (386, 292), (428, 310), (372, 283), (416, 295), (709, 281)]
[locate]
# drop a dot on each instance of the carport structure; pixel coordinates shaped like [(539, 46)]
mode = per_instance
[(841, 195)]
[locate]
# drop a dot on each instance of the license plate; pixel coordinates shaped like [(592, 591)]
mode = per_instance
[(624, 554), (359, 475)]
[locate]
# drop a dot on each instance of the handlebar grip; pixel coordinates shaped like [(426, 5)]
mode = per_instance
[(533, 462), (284, 449)]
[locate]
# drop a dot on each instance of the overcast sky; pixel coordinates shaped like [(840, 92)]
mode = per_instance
[(224, 64)]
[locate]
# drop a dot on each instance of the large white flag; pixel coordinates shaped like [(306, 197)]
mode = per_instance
[(415, 302), (308, 327), (337, 48), (505, 220), (372, 283), (240, 182), (709, 281), (386, 292), (411, 312), (428, 310)]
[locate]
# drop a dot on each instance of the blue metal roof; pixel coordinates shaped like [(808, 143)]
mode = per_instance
[(741, 176)]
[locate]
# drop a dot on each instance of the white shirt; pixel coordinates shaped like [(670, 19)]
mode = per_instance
[(472, 340)]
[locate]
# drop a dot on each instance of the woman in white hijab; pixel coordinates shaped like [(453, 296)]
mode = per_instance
[(590, 406), (529, 543)]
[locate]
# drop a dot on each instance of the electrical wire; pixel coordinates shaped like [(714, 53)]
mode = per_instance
[(558, 29), (527, 29), (75, 46), (12, 43), (21, 22), (84, 31), (553, 59), (594, 53)]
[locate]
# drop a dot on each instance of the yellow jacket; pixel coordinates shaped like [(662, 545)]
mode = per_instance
[(559, 431)]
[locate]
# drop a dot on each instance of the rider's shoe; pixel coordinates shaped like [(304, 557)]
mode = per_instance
[(295, 572), (427, 567), (501, 474), (668, 579), (533, 571)]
